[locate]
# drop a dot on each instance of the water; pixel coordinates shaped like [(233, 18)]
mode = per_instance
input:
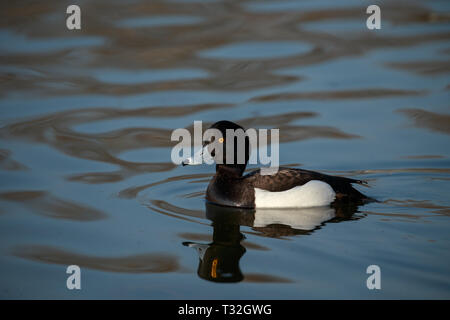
[(85, 169)]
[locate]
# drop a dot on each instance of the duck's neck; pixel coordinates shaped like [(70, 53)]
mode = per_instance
[(232, 171)]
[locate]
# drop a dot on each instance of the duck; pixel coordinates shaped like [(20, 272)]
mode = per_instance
[(285, 188)]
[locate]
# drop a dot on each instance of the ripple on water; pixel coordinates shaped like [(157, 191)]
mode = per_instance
[(258, 50), (300, 6), (126, 77), (45, 204), (345, 26), (140, 263), (159, 21), (428, 120), (12, 42)]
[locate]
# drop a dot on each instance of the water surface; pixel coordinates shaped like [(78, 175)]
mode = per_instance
[(85, 170)]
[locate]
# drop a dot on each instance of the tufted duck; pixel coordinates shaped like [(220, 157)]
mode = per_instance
[(287, 188)]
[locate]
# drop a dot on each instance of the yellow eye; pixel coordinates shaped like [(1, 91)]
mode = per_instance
[(220, 140)]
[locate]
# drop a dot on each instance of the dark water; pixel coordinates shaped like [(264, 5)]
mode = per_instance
[(85, 170)]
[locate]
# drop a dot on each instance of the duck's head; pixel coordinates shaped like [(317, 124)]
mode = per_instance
[(228, 145)]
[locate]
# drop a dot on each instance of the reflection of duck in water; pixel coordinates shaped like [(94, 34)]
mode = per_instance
[(283, 189), (219, 260), (276, 223)]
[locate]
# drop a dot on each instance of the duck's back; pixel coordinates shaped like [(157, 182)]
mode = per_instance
[(287, 179)]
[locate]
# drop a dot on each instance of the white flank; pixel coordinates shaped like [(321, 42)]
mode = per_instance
[(315, 193)]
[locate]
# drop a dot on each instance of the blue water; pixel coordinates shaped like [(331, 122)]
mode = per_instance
[(86, 176)]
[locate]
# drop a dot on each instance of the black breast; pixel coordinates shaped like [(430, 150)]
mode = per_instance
[(231, 191)]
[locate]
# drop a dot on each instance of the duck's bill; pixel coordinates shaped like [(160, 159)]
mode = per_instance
[(190, 162), (200, 157)]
